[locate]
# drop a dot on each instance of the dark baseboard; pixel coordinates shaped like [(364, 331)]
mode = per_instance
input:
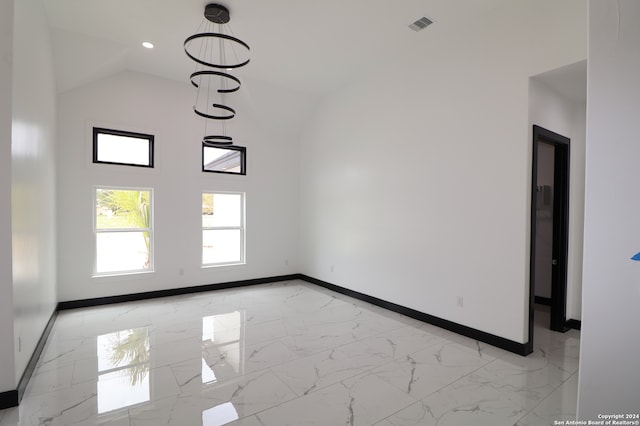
[(28, 371), (575, 324), (8, 399), (540, 300), (85, 303), (13, 398), (491, 339)]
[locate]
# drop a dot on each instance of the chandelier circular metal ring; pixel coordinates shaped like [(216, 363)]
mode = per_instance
[(218, 73), (204, 62), (217, 117), (217, 140)]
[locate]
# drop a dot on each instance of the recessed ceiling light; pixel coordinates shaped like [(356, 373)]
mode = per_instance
[(147, 45)]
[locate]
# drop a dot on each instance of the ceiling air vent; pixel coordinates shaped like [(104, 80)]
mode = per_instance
[(421, 24)]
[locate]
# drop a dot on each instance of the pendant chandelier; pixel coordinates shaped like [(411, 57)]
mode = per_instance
[(217, 53)]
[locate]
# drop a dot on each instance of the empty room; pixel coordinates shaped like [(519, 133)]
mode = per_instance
[(200, 223)]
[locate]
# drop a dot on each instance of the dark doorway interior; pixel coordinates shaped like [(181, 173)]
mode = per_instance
[(549, 227)]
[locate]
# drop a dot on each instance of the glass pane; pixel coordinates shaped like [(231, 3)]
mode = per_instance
[(222, 160), (207, 205), (122, 251), (117, 208), (221, 210), (221, 246), (122, 149)]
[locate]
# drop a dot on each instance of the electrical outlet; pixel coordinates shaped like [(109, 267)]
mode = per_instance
[(181, 271), (286, 262), (331, 268), (460, 302)]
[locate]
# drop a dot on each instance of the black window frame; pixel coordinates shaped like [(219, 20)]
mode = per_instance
[(101, 130), (243, 159)]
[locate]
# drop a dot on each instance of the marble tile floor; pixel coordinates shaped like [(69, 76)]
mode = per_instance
[(287, 353)]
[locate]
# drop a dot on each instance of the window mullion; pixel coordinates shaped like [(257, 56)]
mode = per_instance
[(221, 228), (123, 230)]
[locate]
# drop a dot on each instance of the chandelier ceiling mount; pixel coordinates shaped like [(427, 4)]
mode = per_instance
[(217, 13)]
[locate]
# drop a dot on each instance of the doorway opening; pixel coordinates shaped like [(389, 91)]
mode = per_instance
[(549, 228)]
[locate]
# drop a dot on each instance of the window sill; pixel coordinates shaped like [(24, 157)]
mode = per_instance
[(218, 265), (122, 274)]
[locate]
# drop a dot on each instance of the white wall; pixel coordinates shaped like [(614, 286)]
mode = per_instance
[(610, 339), (554, 112), (576, 216), (139, 102), (33, 173), (7, 375), (416, 182)]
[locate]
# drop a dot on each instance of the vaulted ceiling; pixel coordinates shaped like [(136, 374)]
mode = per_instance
[(307, 46)]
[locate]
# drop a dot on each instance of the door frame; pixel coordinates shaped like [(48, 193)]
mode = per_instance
[(560, 229)]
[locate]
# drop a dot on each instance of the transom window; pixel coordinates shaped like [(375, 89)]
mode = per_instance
[(223, 228), (224, 159), (124, 148), (123, 230)]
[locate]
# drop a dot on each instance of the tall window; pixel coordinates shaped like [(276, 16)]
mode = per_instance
[(222, 228), (123, 230)]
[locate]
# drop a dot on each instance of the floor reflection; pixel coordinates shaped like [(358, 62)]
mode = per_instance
[(219, 415), (268, 354), (222, 350), (222, 346), (123, 369), (125, 373)]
